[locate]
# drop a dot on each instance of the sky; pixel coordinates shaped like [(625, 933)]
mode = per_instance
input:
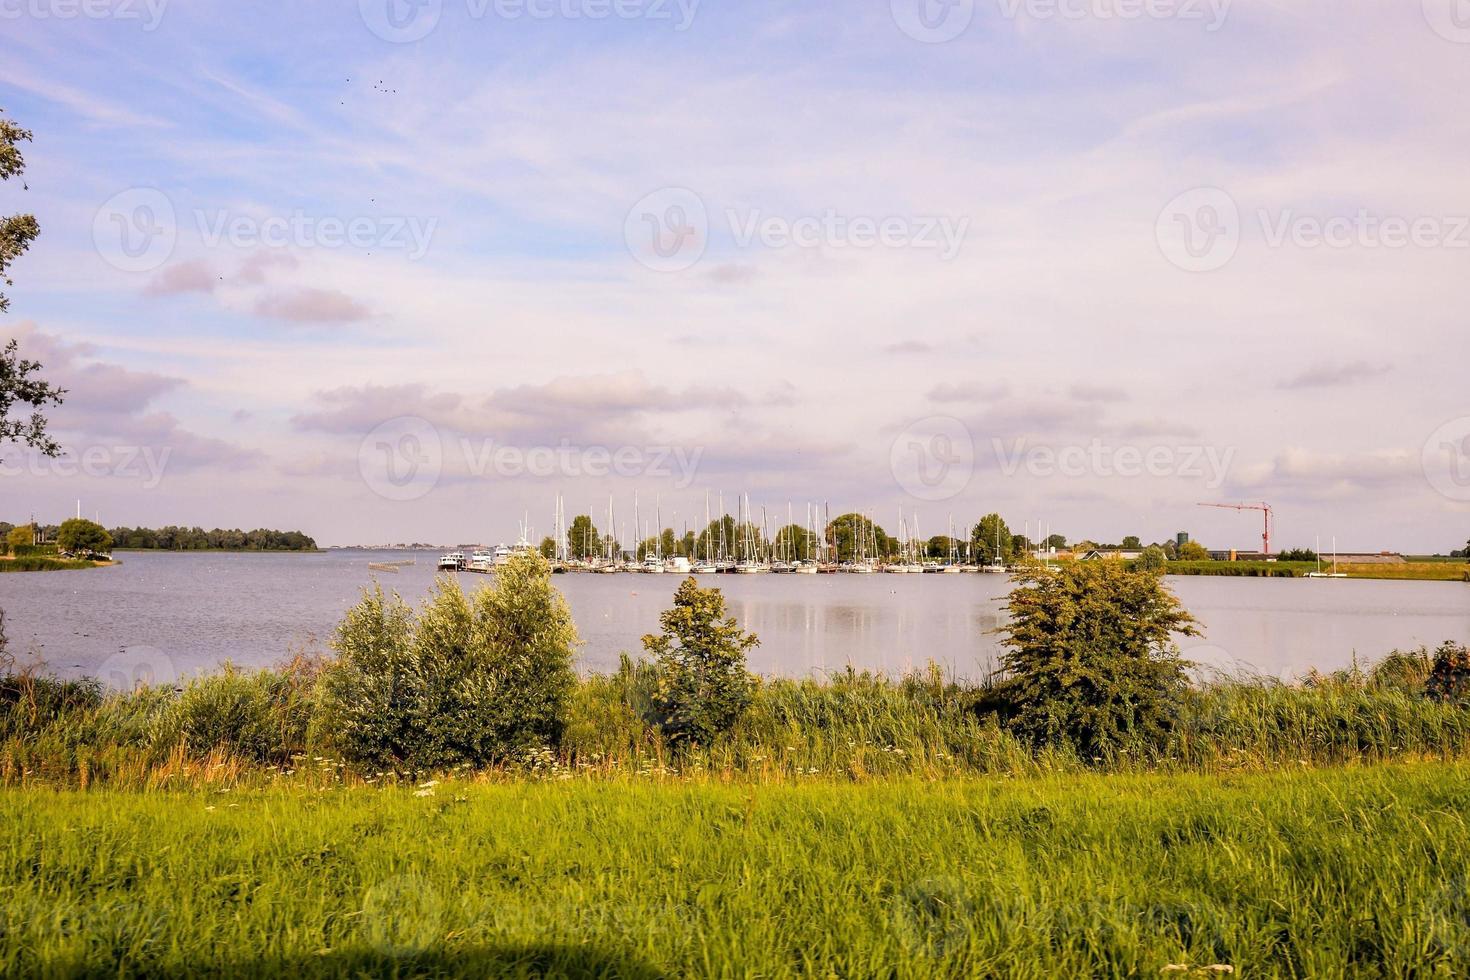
[(405, 270)]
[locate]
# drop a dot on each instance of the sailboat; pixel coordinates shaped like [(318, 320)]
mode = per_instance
[(706, 566), (750, 563), (807, 565), (1332, 574)]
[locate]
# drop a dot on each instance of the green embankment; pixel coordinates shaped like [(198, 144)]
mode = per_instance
[(1425, 571), (1337, 873), (44, 563)]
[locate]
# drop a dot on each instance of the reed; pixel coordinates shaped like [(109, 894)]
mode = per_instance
[(263, 727)]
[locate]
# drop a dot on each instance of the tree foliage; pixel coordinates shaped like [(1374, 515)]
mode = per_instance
[(1193, 551), (18, 383), (992, 539), (20, 537), (703, 686), (20, 386), (853, 536), (19, 230), (583, 541), (1153, 559), (173, 538), (1089, 656), (461, 683), (1449, 677), (81, 536)]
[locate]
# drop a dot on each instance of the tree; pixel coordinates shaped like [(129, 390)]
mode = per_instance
[(703, 686), (460, 684), (21, 537), (795, 542), (1132, 543), (548, 547), (18, 385), (1193, 551), (19, 230), (1057, 541), (1153, 559), (1089, 656), (583, 541), (992, 539), (1297, 554), (853, 536), (81, 536), (941, 546)]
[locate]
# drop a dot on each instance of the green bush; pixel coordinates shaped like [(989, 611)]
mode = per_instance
[(1089, 660), (1449, 678), (261, 715), (1153, 559), (459, 684), (704, 686)]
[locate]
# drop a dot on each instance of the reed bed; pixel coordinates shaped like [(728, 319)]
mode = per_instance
[(259, 727)]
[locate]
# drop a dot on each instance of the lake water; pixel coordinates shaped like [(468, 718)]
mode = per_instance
[(170, 615)]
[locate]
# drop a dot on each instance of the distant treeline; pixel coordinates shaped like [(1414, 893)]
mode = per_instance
[(197, 539)]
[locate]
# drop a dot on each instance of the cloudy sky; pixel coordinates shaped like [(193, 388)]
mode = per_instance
[(388, 271)]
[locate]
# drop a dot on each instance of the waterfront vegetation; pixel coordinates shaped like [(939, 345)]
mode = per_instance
[(45, 563), (1090, 681), (1444, 570), (445, 796)]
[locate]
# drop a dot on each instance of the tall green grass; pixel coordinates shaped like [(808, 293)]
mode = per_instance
[(1353, 873), (44, 563)]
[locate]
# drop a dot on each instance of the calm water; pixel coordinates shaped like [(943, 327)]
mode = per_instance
[(176, 614)]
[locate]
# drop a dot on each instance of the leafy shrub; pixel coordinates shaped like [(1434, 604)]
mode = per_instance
[(1089, 659), (261, 715), (1153, 559), (459, 683), (1449, 678), (704, 687)]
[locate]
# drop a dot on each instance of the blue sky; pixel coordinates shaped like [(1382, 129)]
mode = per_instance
[(883, 259)]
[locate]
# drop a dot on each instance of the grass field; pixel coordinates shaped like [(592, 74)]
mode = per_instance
[(1445, 570), (1318, 873), (1425, 571)]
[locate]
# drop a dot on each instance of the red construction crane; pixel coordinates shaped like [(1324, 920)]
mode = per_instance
[(1265, 509)]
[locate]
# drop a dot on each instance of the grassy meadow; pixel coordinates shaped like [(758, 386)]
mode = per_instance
[(1350, 873)]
